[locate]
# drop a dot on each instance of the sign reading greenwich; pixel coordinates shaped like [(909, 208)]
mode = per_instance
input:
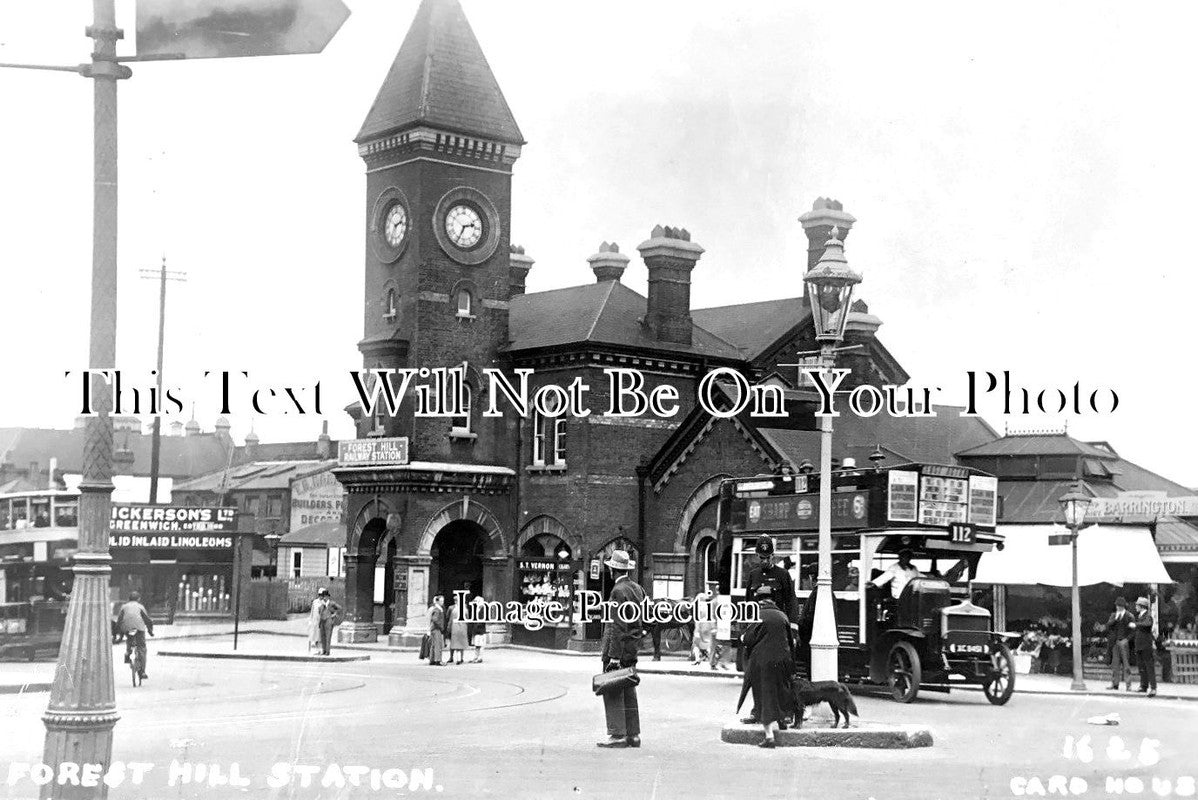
[(176, 527), (373, 452)]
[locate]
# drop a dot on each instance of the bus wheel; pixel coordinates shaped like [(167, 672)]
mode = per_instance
[(904, 672), (1000, 684)]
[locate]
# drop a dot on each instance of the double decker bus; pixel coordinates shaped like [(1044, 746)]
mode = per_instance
[(39, 531), (932, 635)]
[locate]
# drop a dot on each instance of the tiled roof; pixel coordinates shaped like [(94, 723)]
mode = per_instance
[(607, 312), (254, 476), (180, 457), (441, 78), (1039, 501), (753, 327), (1037, 445), (903, 439), (1174, 536), (329, 534)]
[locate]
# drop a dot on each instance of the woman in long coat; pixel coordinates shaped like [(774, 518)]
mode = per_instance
[(458, 638), (769, 666), (436, 631)]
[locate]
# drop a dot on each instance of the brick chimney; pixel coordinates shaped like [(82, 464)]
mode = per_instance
[(818, 223), (670, 256), (518, 267), (609, 263), (324, 445)]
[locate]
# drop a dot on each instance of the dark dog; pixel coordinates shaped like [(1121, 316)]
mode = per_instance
[(836, 695)]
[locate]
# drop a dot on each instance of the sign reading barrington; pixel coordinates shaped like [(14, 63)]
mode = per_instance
[(1131, 504), (373, 452), (137, 517)]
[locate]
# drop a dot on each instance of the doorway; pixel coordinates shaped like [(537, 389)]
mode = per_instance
[(457, 559)]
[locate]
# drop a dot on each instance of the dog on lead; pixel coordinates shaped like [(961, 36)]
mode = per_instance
[(836, 695)]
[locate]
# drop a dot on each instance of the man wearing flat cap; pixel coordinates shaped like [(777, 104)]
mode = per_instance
[(621, 643), (1145, 646)]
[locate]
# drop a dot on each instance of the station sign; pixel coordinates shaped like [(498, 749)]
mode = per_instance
[(380, 452)]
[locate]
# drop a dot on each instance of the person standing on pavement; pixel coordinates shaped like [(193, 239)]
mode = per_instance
[(321, 621), (1145, 646), (436, 631), (769, 666), (1120, 628), (782, 596), (703, 640), (133, 622), (459, 638), (477, 631), (621, 644)]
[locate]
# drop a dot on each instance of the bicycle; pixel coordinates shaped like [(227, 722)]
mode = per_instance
[(135, 654)]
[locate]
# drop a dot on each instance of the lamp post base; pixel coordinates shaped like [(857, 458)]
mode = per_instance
[(1078, 685), (825, 662)]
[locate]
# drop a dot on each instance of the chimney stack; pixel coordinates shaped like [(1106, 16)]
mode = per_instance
[(518, 267), (609, 263), (670, 256), (818, 223), (324, 445)]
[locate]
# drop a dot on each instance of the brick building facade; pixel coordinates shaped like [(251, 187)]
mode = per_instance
[(482, 497)]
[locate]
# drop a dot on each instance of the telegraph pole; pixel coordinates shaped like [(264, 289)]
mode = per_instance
[(162, 276), (82, 711)]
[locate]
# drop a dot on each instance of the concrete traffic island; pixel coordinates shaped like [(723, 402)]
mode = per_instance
[(864, 735), (251, 655)]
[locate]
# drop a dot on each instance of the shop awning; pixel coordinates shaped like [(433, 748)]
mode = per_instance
[(1105, 554)]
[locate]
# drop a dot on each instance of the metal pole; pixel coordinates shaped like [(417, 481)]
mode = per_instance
[(1079, 683), (156, 442), (82, 711), (237, 567), (824, 643)]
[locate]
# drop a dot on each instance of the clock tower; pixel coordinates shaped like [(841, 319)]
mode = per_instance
[(439, 143)]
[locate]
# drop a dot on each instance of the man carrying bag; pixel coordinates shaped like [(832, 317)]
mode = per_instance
[(621, 642)]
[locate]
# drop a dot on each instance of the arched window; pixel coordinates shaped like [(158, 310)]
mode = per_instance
[(391, 307), (461, 423), (548, 440), (465, 303)]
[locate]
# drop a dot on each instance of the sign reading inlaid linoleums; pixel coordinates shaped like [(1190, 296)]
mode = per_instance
[(373, 452), (234, 28)]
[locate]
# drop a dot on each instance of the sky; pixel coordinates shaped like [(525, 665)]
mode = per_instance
[(1022, 176)]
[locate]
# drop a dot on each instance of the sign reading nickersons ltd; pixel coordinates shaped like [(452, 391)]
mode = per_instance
[(144, 518), (373, 452)]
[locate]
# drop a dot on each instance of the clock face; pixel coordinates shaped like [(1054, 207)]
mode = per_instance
[(395, 225), (464, 226)]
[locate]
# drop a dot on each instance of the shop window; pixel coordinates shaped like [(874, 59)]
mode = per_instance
[(297, 563)]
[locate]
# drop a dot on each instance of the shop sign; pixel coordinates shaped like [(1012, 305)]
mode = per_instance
[(172, 541), (545, 566), (373, 452), (316, 498), (1142, 504), (145, 518)]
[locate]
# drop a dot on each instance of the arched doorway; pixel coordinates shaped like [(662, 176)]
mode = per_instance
[(457, 559)]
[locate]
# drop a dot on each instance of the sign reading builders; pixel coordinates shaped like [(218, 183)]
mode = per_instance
[(175, 527)]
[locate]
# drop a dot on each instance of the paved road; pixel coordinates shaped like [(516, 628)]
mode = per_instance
[(525, 725)]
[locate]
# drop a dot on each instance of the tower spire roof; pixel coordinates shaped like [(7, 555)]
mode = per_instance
[(442, 79)]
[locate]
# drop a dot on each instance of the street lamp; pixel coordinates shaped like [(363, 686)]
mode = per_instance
[(830, 292), (1074, 504)]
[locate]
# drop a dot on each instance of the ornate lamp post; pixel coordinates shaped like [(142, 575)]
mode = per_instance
[(830, 292), (1074, 504)]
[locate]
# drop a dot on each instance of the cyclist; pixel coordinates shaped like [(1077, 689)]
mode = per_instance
[(134, 622)]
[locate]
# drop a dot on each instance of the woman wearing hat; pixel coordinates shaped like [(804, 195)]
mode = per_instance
[(769, 665), (1145, 647), (621, 643)]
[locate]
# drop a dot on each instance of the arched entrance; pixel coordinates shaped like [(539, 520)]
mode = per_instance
[(708, 561), (457, 559)]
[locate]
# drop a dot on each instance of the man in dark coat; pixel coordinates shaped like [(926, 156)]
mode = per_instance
[(782, 588), (1145, 647), (1119, 628), (621, 643), (769, 666)]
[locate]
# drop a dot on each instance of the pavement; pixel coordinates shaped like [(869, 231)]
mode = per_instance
[(281, 640), (523, 724)]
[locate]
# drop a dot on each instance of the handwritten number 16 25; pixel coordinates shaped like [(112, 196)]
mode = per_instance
[(1117, 750)]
